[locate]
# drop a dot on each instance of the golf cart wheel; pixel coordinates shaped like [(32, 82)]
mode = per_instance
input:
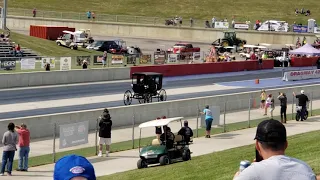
[(297, 117), (127, 98), (164, 160), (142, 164), (58, 43), (147, 98), (186, 155), (162, 95)]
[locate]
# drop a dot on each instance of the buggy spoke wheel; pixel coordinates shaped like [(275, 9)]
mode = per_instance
[(127, 98), (162, 95)]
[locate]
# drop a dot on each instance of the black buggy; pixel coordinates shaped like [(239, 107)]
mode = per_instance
[(145, 87)]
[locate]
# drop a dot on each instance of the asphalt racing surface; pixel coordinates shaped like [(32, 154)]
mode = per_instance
[(16, 96)]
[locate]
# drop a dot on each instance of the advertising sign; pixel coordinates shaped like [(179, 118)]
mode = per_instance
[(145, 59), (196, 56), (97, 60), (73, 134), (301, 75), (172, 58), (80, 59), (316, 30), (221, 25), (50, 60), (28, 63), (241, 26), (65, 63), (117, 59), (8, 64), (300, 29), (159, 57)]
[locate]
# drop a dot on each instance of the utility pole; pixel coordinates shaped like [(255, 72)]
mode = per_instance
[(4, 15)]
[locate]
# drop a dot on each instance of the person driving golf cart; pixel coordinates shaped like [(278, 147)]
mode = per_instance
[(167, 137), (186, 132)]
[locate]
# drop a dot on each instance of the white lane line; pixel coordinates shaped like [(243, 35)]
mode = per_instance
[(101, 99)]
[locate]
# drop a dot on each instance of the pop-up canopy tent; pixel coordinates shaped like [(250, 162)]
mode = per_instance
[(307, 49)]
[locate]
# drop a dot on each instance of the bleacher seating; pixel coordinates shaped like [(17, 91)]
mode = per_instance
[(5, 51)]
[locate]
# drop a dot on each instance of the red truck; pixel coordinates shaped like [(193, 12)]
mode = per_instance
[(183, 48)]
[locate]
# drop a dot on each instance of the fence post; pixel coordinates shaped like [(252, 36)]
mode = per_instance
[(292, 107), (96, 136), (136, 19), (224, 116), (133, 124), (116, 18), (198, 113), (54, 143), (79, 16), (311, 103), (61, 15), (249, 113)]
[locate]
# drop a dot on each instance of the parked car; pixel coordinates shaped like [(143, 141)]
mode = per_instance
[(182, 48), (109, 46)]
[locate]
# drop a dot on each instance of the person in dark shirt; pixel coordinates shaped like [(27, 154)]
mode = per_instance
[(283, 107), (167, 137), (302, 101), (84, 64), (318, 63), (105, 125), (186, 132)]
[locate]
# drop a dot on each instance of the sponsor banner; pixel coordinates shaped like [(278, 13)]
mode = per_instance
[(316, 30), (80, 59), (131, 59), (117, 59), (8, 64), (65, 63), (196, 56), (159, 58), (97, 60), (221, 25), (300, 29), (241, 26), (50, 60), (301, 75), (145, 59), (172, 58), (73, 134), (28, 63)]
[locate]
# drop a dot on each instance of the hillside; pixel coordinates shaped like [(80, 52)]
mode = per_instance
[(200, 9)]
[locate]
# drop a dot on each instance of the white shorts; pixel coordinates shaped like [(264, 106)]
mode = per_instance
[(106, 141)]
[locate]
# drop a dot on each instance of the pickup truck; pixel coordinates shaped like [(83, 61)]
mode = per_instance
[(183, 47)]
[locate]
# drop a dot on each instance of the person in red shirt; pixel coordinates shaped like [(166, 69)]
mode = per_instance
[(18, 49), (24, 147)]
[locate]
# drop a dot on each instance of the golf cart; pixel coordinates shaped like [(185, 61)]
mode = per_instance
[(159, 151), (67, 40)]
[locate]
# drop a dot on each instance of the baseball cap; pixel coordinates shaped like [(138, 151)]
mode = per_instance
[(271, 131), (72, 166), (302, 91)]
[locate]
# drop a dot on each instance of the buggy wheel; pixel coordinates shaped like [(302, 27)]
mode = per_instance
[(127, 98), (162, 95), (297, 116), (164, 160), (141, 101), (186, 155), (147, 98), (142, 164)]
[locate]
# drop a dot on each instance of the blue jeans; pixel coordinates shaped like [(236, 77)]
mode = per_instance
[(23, 157), (7, 158)]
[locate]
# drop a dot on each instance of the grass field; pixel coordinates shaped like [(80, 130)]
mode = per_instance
[(223, 165), (121, 146), (201, 9)]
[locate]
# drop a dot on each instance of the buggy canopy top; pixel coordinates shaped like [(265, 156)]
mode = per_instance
[(159, 122)]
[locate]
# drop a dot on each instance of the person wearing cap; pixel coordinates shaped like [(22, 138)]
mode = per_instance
[(271, 143), (73, 167), (302, 101), (105, 125), (167, 137), (283, 107), (186, 132), (24, 147), (209, 118)]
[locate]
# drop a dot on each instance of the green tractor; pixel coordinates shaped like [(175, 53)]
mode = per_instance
[(159, 152), (229, 39)]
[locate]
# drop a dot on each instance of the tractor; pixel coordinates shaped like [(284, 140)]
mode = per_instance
[(229, 39)]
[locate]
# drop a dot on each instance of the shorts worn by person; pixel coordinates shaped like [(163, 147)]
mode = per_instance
[(271, 143), (208, 119), (105, 125), (73, 167)]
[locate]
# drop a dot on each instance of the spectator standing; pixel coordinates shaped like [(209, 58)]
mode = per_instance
[(213, 21), (283, 107), (73, 167), (105, 125), (233, 23), (208, 119), (303, 99), (34, 12), (84, 64), (191, 22), (9, 140), (263, 97), (180, 21), (271, 143), (268, 104), (47, 66), (104, 58), (93, 16), (24, 147), (186, 132), (89, 15), (18, 49), (318, 63)]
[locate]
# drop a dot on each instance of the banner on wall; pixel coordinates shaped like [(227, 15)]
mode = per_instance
[(159, 57), (145, 59), (301, 75), (172, 58), (117, 59), (65, 63), (50, 60), (28, 63), (221, 25)]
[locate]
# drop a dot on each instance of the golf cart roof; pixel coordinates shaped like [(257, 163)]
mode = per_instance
[(68, 32), (264, 44), (160, 122), (317, 35)]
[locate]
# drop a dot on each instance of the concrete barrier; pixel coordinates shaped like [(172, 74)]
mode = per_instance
[(42, 126), (12, 80), (207, 35)]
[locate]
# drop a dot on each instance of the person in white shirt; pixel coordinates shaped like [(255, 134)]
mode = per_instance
[(271, 143), (213, 21)]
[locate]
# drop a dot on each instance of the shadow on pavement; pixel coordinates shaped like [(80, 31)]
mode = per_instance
[(225, 136)]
